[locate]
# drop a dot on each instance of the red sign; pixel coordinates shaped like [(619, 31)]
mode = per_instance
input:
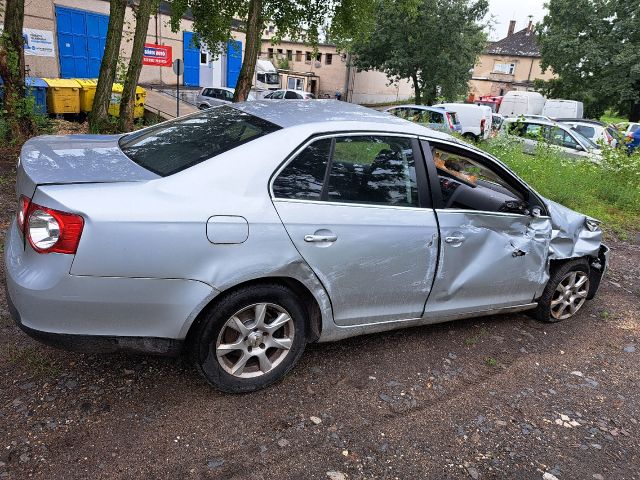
[(157, 55)]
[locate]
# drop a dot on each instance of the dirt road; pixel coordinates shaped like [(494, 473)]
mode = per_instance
[(497, 397)]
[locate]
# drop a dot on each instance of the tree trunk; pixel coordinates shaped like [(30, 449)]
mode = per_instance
[(21, 124), (634, 116), (127, 103), (416, 88), (99, 116), (252, 50)]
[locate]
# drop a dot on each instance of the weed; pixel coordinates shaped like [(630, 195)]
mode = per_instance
[(491, 362), (35, 362)]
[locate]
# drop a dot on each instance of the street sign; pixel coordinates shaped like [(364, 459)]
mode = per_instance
[(178, 66), (157, 55)]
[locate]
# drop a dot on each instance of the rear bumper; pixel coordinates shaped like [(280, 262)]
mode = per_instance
[(97, 314)]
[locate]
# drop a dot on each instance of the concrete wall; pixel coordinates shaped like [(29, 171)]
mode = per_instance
[(486, 81), (374, 87)]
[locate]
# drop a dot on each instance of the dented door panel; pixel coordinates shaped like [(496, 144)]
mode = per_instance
[(488, 260)]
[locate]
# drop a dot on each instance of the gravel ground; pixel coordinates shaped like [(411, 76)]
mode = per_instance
[(496, 397)]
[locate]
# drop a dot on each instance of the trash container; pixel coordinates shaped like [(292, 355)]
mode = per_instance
[(116, 98), (37, 88), (87, 93), (63, 95)]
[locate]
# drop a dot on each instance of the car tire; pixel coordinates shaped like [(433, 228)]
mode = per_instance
[(252, 341), (566, 292), (203, 106), (470, 137)]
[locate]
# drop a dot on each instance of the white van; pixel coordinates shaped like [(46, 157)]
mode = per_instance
[(475, 120), (558, 108), (516, 103)]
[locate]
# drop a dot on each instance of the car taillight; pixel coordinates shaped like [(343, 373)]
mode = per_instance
[(450, 121), (608, 137), (23, 207), (52, 231)]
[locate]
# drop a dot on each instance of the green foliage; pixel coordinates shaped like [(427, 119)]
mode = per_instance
[(283, 63), (296, 19), (609, 191), (593, 45), (433, 42)]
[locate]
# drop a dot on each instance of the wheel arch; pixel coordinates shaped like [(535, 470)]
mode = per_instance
[(304, 294)]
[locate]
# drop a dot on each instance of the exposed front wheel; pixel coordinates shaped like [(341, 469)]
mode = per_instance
[(565, 293), (251, 338)]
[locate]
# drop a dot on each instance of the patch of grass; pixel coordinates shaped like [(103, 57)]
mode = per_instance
[(609, 191), (613, 117), (33, 360), (491, 362)]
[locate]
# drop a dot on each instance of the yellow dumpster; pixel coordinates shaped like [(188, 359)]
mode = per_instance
[(116, 97), (63, 95), (87, 93)]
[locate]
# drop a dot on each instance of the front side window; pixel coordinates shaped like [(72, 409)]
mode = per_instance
[(558, 136), (172, 146), (468, 184), (277, 95), (363, 169), (289, 95)]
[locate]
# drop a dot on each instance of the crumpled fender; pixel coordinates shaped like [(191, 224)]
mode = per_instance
[(570, 236)]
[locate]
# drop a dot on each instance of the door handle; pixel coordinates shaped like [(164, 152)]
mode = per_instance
[(320, 238), (458, 239)]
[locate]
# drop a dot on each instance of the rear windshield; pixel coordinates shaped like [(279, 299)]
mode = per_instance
[(173, 146)]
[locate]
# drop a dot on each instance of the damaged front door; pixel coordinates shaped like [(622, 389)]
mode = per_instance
[(493, 251)]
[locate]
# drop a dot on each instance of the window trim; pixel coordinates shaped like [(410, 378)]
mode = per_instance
[(424, 197), (533, 198)]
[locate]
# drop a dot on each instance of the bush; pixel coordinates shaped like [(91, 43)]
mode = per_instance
[(609, 191)]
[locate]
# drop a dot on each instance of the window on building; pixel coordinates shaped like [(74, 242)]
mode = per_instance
[(298, 56), (270, 52), (289, 54), (328, 58), (204, 58), (318, 57), (279, 52), (506, 68), (308, 56)]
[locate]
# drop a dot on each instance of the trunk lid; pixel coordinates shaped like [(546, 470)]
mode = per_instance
[(64, 159)]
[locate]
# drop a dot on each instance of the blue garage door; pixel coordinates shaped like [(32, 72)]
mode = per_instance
[(81, 39), (191, 56), (234, 62)]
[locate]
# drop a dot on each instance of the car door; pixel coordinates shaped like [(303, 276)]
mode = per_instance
[(565, 142), (358, 210), (493, 252)]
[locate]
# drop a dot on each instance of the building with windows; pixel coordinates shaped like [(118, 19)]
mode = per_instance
[(512, 63)]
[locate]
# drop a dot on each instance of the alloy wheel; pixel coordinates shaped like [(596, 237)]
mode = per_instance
[(570, 295), (255, 340)]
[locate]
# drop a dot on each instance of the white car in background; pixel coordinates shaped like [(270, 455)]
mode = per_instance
[(476, 120), (597, 132), (289, 95), (214, 96), (557, 135), (628, 127)]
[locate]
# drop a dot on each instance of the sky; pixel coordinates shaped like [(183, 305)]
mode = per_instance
[(505, 10)]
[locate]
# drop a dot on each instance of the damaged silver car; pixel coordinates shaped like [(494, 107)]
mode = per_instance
[(241, 233)]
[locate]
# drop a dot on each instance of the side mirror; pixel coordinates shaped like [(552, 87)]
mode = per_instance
[(536, 212)]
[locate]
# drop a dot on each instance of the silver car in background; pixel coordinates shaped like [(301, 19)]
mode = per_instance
[(241, 233), (289, 95), (214, 96)]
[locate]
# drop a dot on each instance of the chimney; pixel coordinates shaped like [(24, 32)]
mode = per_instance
[(512, 27)]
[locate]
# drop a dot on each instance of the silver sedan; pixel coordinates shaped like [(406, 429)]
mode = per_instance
[(241, 233)]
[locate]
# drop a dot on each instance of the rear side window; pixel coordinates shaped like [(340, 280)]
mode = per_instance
[(589, 132), (291, 95), (176, 145), (303, 178)]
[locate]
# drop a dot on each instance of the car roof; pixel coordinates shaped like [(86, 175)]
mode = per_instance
[(422, 107), (536, 121), (333, 113), (580, 120)]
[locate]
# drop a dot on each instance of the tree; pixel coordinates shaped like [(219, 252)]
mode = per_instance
[(296, 19), (593, 47), (127, 102), (99, 116), (12, 71), (435, 43)]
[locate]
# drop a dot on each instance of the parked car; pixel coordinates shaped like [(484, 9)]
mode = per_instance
[(475, 120), (628, 127), (243, 232), (289, 95), (558, 108), (517, 103), (437, 118), (212, 96), (633, 140), (597, 132), (557, 135)]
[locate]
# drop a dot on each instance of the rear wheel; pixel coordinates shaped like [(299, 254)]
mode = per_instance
[(251, 338), (470, 137), (565, 293)]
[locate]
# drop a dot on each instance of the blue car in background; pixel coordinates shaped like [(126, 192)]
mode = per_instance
[(436, 118), (633, 140)]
